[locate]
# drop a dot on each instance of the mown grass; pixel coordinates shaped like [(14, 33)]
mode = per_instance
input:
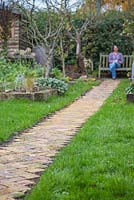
[(16, 115), (99, 162)]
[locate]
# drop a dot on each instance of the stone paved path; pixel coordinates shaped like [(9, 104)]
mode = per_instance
[(23, 159)]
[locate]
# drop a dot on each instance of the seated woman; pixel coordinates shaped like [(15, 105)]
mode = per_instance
[(115, 60)]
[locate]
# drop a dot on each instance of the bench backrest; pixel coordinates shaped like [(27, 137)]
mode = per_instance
[(128, 60)]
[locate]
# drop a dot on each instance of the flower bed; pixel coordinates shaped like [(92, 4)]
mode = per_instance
[(37, 96)]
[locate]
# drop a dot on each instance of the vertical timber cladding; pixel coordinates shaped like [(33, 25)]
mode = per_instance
[(13, 43)]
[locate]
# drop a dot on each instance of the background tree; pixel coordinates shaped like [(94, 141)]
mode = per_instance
[(129, 26), (122, 5), (101, 35), (76, 24), (44, 35)]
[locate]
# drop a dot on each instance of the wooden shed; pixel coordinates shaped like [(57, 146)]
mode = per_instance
[(14, 42)]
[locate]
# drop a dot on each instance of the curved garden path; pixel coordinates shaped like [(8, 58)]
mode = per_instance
[(23, 159)]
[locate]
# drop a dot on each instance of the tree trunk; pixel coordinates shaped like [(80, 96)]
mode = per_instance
[(63, 66), (132, 74), (81, 65), (98, 5), (80, 57), (48, 66), (129, 4), (78, 45), (62, 58)]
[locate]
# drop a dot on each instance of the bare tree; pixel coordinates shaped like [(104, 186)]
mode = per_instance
[(35, 37), (76, 31), (67, 10)]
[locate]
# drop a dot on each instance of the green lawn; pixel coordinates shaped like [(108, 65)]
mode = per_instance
[(16, 115), (99, 162)]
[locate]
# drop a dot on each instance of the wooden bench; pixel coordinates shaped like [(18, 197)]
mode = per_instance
[(104, 63)]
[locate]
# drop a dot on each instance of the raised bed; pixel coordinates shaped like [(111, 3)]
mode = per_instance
[(35, 96)]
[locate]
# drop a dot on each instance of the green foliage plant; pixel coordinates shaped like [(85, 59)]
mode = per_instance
[(130, 89), (60, 85)]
